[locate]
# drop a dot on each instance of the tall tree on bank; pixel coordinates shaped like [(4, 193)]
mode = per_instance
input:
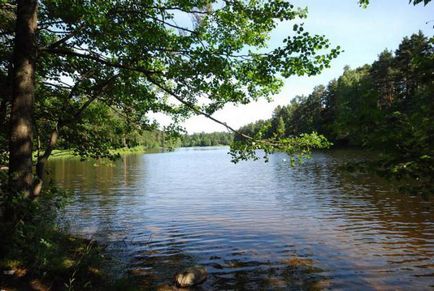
[(21, 125), (138, 57)]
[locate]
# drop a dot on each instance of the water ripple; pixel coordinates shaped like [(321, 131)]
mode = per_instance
[(253, 225)]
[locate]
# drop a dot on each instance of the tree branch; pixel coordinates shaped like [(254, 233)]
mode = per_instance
[(156, 19), (171, 25), (66, 38), (52, 140), (56, 85), (100, 60), (195, 109), (100, 89), (193, 11)]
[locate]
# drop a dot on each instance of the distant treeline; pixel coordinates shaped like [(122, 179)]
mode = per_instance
[(387, 106), (207, 139)]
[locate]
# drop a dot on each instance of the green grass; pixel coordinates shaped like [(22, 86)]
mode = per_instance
[(69, 154), (122, 151), (63, 154)]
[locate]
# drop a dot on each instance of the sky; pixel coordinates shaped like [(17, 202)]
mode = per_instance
[(362, 33)]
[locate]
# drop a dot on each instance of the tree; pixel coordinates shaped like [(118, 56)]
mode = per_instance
[(383, 76), (408, 60), (387, 107), (21, 132), (280, 127), (133, 55), (207, 139)]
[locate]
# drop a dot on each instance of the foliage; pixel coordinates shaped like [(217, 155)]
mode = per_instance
[(104, 130), (207, 139), (297, 148), (386, 106), (104, 66)]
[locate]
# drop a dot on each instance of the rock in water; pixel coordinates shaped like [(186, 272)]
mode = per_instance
[(191, 276)]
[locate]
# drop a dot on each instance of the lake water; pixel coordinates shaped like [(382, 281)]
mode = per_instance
[(254, 225)]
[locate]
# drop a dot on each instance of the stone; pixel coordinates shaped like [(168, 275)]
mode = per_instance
[(191, 276), (298, 262)]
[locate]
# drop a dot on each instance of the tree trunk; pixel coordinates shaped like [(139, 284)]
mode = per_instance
[(52, 140), (42, 160), (21, 123)]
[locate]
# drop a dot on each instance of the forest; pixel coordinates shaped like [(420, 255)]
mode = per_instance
[(386, 107), (207, 139)]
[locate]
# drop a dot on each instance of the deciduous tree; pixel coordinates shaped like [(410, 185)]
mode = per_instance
[(175, 57)]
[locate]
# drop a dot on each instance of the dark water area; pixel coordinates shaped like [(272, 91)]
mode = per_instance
[(254, 225)]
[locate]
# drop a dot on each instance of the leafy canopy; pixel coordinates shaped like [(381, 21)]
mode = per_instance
[(386, 106), (174, 57)]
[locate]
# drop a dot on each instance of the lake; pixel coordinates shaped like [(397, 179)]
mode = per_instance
[(254, 225)]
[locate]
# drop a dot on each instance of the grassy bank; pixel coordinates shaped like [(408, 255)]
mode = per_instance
[(69, 154)]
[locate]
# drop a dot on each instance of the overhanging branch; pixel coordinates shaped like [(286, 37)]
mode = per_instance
[(66, 38), (100, 59), (195, 109)]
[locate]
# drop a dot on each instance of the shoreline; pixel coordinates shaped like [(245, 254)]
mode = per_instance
[(69, 154)]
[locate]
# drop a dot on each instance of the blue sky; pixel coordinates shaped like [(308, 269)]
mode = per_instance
[(362, 33)]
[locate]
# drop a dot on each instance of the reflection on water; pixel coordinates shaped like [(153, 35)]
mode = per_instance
[(254, 225)]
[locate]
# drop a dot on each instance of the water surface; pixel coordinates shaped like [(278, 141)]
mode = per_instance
[(254, 225)]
